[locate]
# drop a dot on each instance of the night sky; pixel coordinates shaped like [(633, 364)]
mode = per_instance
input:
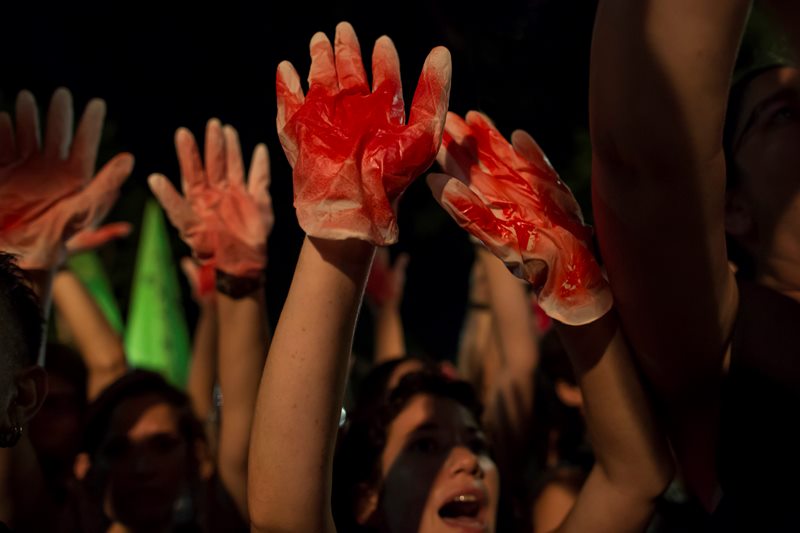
[(161, 66)]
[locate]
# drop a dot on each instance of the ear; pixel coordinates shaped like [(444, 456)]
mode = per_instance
[(570, 395), (366, 505), (31, 385), (738, 215), (81, 465)]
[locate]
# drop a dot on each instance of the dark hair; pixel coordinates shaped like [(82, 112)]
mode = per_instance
[(20, 315), (361, 442), (135, 384), (64, 362)]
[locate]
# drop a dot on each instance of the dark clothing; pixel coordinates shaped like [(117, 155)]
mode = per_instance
[(759, 454)]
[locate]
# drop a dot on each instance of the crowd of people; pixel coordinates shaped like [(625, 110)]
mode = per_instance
[(637, 376)]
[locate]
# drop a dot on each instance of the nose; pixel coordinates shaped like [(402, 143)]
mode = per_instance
[(465, 461)]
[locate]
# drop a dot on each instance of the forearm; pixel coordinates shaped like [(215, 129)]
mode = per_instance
[(302, 388), (99, 345), (202, 370), (660, 73), (243, 345), (390, 340), (633, 462)]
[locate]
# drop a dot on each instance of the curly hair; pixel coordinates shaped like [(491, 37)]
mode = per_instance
[(21, 323)]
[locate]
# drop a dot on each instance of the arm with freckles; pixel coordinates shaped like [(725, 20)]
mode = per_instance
[(346, 194), (226, 221), (502, 191), (660, 75)]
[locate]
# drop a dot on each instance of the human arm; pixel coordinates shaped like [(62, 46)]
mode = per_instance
[(226, 222), (345, 196)]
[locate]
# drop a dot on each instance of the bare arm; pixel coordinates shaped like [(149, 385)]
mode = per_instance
[(203, 367), (660, 73), (99, 345), (510, 402), (302, 389), (633, 461), (384, 293)]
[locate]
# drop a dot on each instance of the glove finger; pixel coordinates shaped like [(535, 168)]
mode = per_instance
[(349, 66), (58, 133)]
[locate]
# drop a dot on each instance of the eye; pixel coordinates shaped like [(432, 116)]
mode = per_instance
[(479, 445), (783, 113), (424, 445)]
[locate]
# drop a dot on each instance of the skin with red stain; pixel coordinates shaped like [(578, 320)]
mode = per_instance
[(224, 220), (509, 196), (351, 150), (48, 190)]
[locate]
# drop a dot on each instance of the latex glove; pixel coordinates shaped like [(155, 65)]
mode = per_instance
[(49, 193), (386, 283), (202, 280), (511, 199), (92, 238), (352, 152), (222, 219)]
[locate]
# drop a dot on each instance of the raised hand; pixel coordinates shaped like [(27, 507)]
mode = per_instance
[(352, 152), (49, 192), (511, 199), (223, 219), (91, 238), (201, 279), (386, 282)]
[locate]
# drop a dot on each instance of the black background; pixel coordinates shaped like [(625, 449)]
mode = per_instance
[(164, 65)]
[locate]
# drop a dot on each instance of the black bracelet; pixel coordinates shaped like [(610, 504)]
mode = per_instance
[(237, 287)]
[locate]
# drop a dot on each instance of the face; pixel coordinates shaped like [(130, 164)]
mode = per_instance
[(766, 148), (437, 473), (55, 432), (148, 461)]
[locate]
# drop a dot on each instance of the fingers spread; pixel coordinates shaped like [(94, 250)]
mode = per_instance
[(193, 175), (323, 67), (233, 156), (215, 155), (289, 92), (87, 138), (386, 76), (27, 124), (58, 134), (349, 66)]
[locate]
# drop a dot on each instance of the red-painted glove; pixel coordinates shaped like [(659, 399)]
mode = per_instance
[(512, 200), (50, 193), (352, 153), (92, 238), (202, 279), (222, 219)]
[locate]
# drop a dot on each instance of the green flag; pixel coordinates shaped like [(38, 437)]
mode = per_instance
[(89, 269), (157, 337)]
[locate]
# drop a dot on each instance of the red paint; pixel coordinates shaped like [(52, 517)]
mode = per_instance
[(526, 215), (352, 153)]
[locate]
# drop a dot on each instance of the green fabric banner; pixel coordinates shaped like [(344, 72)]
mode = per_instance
[(157, 337)]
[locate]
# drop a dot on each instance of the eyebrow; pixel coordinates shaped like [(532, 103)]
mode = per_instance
[(758, 110)]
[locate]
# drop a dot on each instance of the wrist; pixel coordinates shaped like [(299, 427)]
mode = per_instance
[(238, 287)]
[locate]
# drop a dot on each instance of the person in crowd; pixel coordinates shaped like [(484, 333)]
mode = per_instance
[(428, 467), (49, 193), (674, 169)]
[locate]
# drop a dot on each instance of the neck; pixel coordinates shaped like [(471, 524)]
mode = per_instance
[(779, 270)]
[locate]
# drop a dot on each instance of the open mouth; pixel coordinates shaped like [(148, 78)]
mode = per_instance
[(464, 512)]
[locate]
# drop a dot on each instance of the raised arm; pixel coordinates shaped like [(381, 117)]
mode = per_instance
[(346, 194), (203, 367), (99, 345), (384, 294), (509, 197), (660, 75), (48, 193), (226, 222)]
